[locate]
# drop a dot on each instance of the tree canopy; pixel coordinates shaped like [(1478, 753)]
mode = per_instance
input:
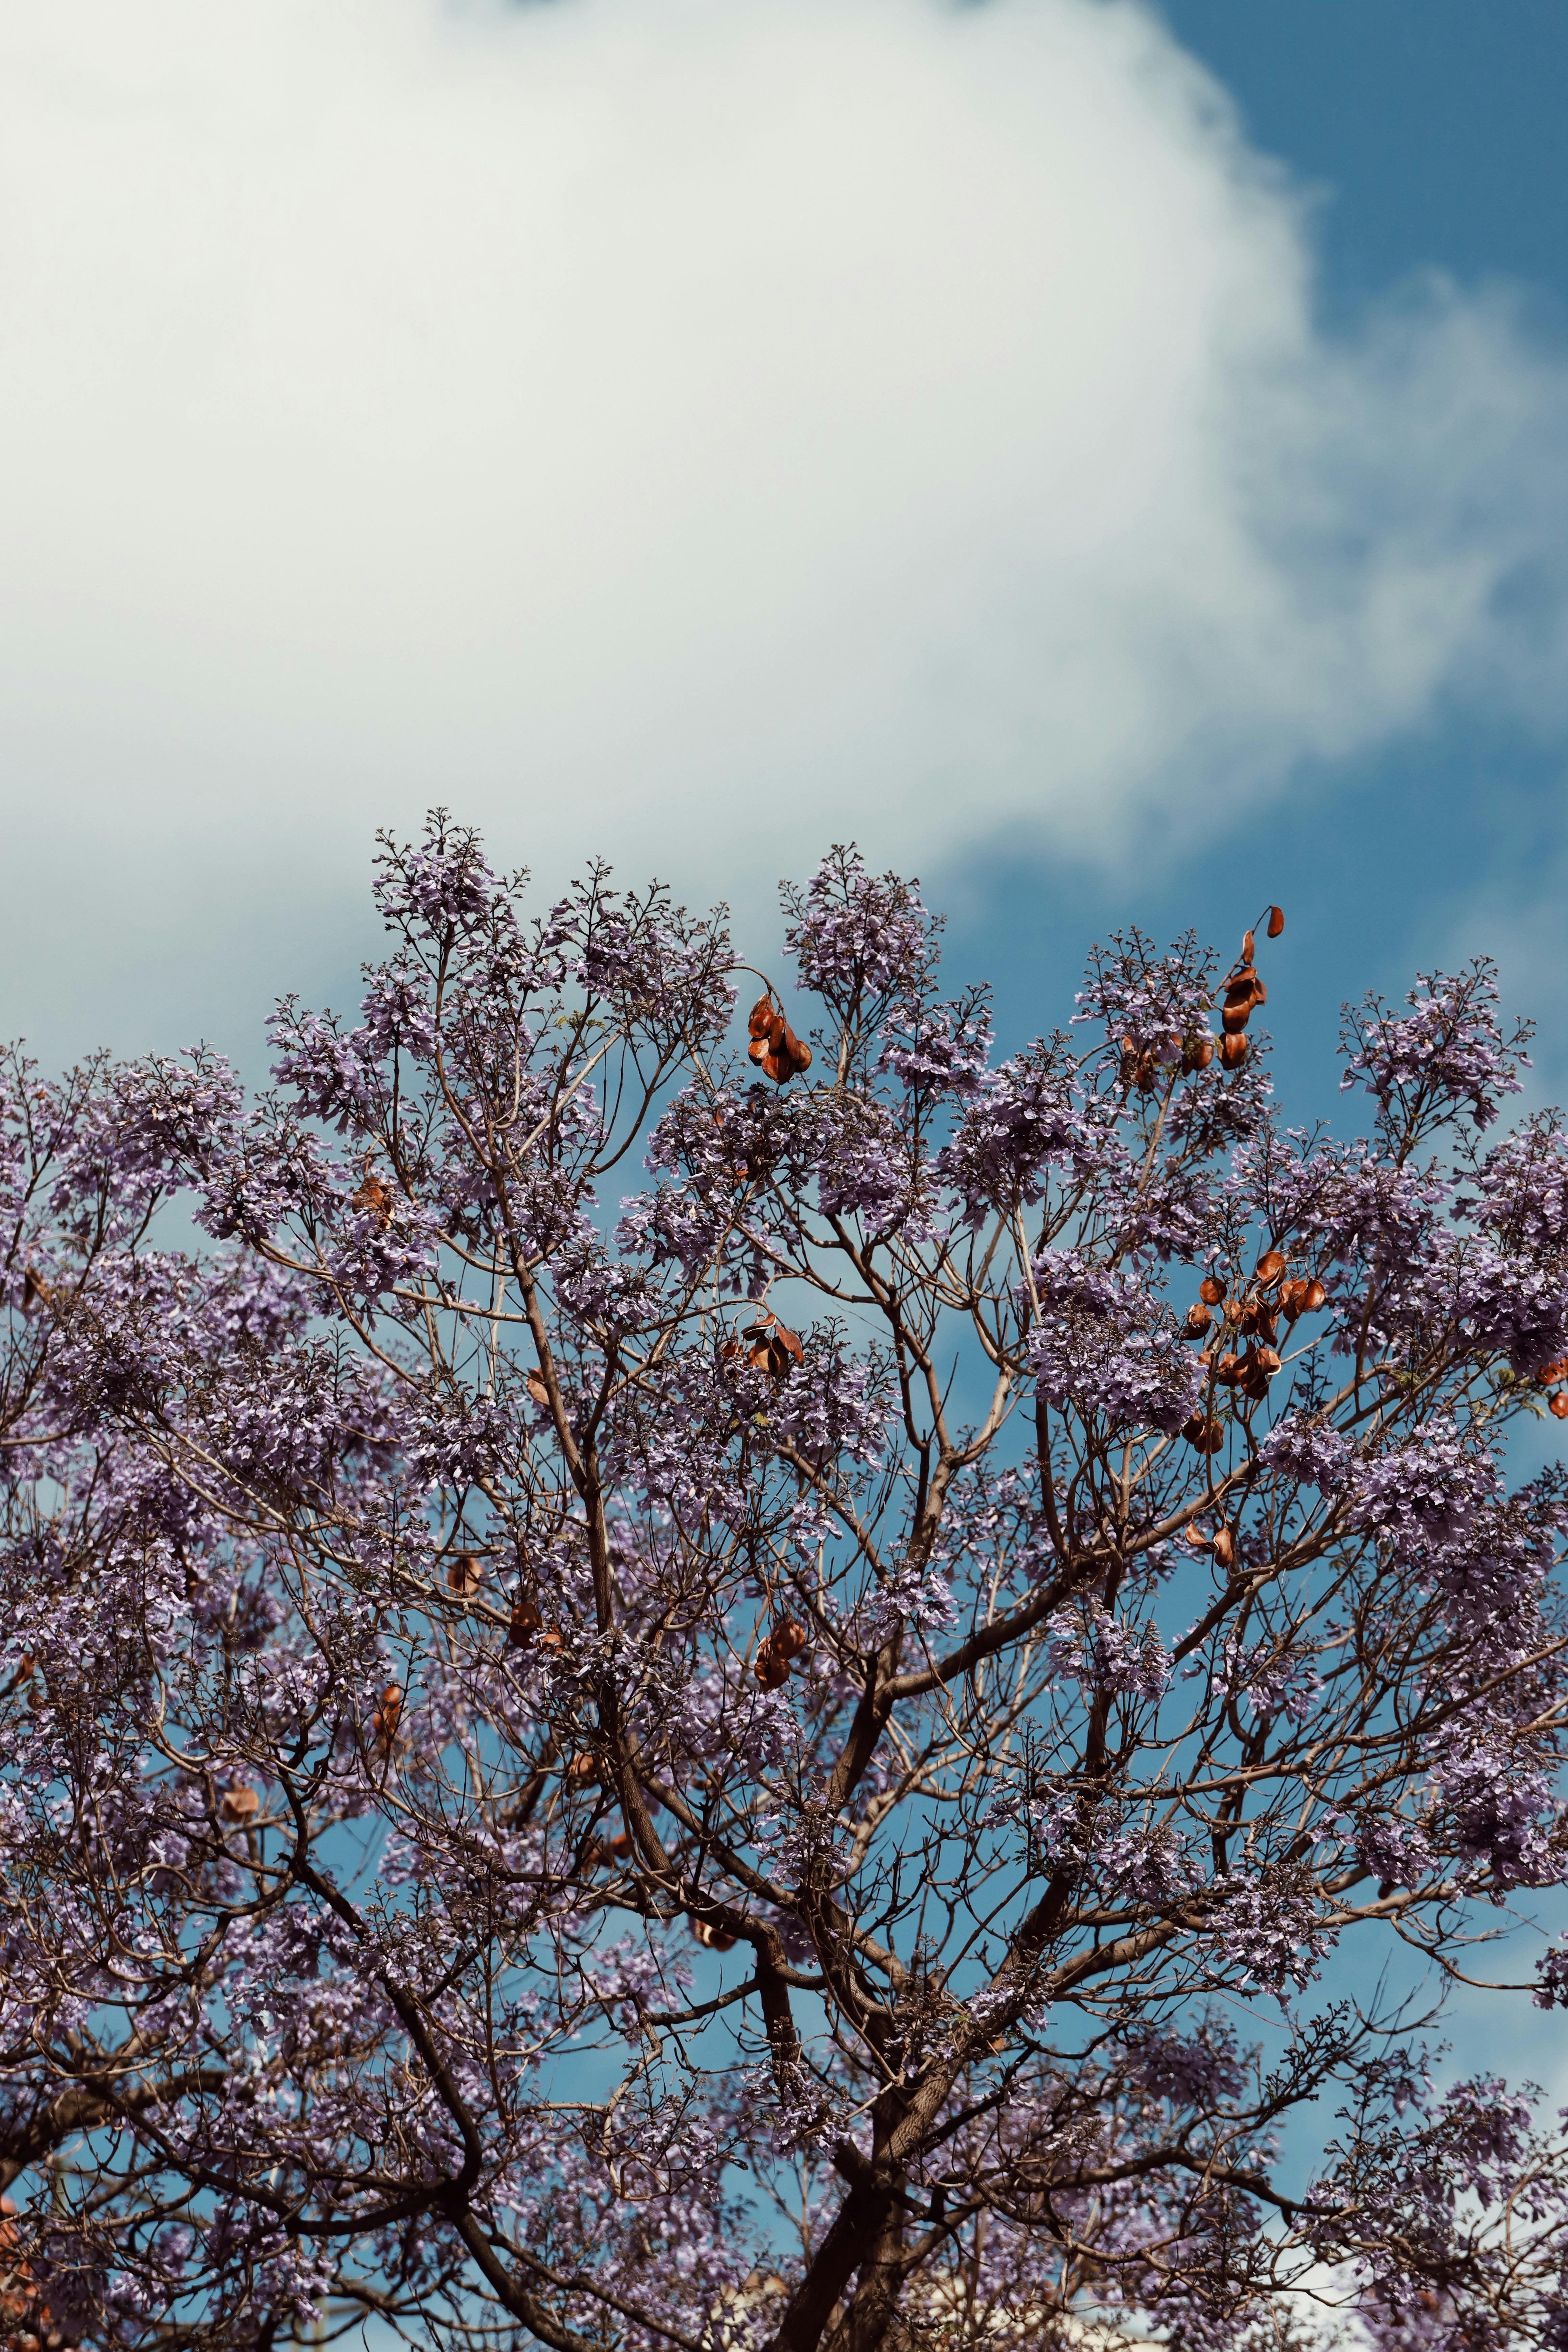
[(718, 1765)]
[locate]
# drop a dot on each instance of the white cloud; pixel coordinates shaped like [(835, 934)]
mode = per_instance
[(699, 428)]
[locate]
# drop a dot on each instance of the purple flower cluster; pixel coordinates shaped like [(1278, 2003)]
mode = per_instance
[(542, 1725)]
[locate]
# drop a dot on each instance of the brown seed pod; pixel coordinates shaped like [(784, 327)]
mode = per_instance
[(240, 1804), (36, 1291), (371, 1199), (1235, 1019), (1233, 1052), (714, 1938), (1269, 1268), (620, 1845), (536, 1388), (465, 1576), (1312, 1295), (1198, 1321), (1550, 1374), (1211, 1290), (1276, 921), (525, 1626), (1224, 1546), (1233, 1311), (1204, 1434), (583, 1769), (771, 1669), (1268, 1361), (1248, 946), (1227, 1369), (1560, 1405), (771, 1346), (783, 1055), (761, 1016), (384, 1722), (788, 1638), (1197, 1053), (1197, 1537)]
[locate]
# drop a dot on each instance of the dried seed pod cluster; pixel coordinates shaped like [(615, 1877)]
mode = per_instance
[(1143, 1066), (776, 1049), (372, 1198), (383, 1723), (1243, 991), (1220, 1546), (1242, 1354), (767, 1345), (775, 1653)]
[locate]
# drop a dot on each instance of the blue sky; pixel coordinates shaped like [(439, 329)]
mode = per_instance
[(1426, 135), (1115, 464)]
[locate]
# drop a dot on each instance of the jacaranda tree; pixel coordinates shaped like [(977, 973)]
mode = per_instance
[(719, 1765)]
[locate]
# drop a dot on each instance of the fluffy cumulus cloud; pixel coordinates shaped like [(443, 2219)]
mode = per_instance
[(700, 427)]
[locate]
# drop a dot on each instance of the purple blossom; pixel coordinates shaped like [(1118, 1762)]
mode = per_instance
[(525, 1704)]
